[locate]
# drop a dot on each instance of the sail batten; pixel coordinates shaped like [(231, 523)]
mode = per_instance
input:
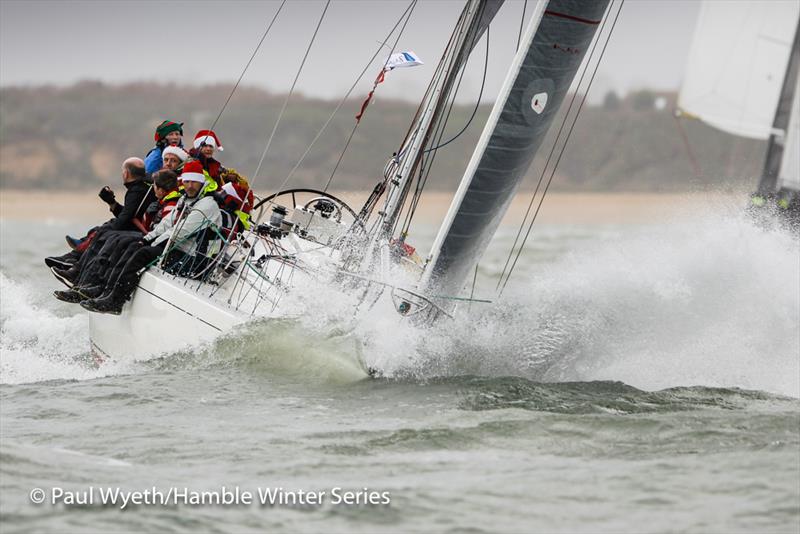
[(736, 65), (548, 58)]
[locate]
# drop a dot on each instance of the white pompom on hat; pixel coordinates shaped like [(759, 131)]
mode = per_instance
[(207, 137), (175, 150)]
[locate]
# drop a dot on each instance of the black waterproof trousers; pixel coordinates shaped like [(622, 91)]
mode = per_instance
[(130, 272)]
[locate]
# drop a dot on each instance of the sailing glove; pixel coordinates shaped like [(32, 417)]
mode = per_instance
[(107, 195)]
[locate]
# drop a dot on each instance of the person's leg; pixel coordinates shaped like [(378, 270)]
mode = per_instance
[(126, 283)]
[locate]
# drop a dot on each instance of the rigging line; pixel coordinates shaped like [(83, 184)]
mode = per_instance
[(433, 102), (472, 291), (415, 128), (521, 24), (428, 164), (252, 56), (358, 122), (344, 99), (564, 146), (286, 100), (477, 104), (549, 157), (425, 165)]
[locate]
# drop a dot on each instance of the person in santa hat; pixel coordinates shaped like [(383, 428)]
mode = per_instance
[(204, 145), (182, 228), (174, 157), (168, 133)]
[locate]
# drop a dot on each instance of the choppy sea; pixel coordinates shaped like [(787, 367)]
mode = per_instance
[(632, 378)]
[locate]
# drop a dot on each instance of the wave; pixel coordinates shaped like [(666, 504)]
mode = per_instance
[(710, 300), (38, 345), (707, 300)]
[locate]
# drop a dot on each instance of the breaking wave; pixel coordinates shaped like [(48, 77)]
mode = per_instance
[(710, 300), (37, 345)]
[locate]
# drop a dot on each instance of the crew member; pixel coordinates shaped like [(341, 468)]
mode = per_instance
[(168, 133), (183, 228)]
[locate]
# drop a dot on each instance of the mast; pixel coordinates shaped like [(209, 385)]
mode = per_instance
[(777, 139), (474, 20), (789, 174), (542, 71)]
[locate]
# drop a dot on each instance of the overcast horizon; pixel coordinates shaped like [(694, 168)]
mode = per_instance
[(45, 43)]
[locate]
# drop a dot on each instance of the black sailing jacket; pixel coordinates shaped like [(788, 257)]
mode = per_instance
[(138, 196)]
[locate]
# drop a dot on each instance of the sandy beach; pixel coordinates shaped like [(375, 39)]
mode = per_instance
[(560, 208)]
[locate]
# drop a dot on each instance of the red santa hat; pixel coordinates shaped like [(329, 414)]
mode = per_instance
[(175, 150), (207, 137), (193, 172)]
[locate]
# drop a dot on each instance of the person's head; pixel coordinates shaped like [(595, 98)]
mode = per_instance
[(173, 156), (193, 178), (164, 181), (206, 141), (132, 169), (169, 133)]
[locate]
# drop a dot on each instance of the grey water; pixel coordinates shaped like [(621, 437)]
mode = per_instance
[(632, 378)]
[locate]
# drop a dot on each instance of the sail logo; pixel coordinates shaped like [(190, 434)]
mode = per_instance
[(538, 102), (566, 49)]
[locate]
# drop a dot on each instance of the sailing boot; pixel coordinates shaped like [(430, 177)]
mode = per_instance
[(79, 293), (67, 277), (90, 291), (74, 242), (63, 262), (71, 296), (106, 304)]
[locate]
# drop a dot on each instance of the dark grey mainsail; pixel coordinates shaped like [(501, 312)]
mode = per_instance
[(548, 58)]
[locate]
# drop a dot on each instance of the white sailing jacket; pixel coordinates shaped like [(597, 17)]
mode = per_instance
[(203, 212)]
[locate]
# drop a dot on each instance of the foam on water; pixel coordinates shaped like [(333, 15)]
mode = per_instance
[(37, 345), (710, 300)]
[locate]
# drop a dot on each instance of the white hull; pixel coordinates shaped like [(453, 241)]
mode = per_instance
[(166, 314)]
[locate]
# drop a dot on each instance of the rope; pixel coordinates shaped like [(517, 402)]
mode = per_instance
[(358, 122), (563, 146), (521, 24), (477, 103), (426, 165), (288, 96), (344, 99), (688, 146), (252, 56), (547, 163)]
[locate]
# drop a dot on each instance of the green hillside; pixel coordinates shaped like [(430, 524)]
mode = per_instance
[(76, 137)]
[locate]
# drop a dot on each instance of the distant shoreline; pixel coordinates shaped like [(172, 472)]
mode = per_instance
[(558, 208)]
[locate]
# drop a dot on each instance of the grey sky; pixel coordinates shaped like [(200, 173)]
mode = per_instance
[(44, 42)]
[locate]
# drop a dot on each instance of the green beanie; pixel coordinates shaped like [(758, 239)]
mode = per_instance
[(166, 127)]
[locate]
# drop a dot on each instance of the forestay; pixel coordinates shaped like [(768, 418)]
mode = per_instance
[(737, 64), (548, 57)]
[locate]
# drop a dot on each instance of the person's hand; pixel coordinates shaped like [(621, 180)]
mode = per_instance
[(107, 195)]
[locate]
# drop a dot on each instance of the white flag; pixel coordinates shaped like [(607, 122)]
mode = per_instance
[(403, 59)]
